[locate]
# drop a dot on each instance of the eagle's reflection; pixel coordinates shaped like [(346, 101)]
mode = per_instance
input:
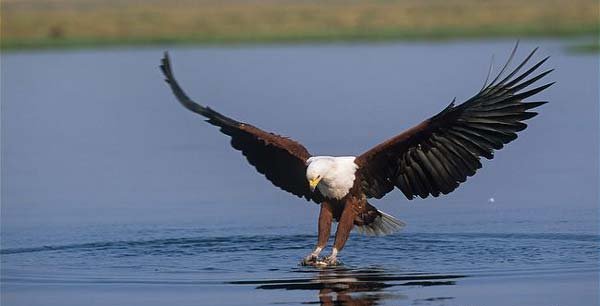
[(353, 287), (347, 287)]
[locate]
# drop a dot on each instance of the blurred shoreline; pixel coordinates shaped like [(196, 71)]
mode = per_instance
[(39, 24)]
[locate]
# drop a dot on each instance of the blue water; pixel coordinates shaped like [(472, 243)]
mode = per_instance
[(112, 194)]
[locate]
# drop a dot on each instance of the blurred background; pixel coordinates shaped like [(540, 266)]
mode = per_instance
[(52, 23), (110, 189)]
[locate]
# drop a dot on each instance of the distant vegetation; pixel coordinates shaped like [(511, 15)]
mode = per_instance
[(593, 47), (76, 23)]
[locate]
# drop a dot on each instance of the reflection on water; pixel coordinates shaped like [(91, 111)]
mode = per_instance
[(354, 287), (210, 263)]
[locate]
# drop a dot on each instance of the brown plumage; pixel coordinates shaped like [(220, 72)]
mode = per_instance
[(431, 158), (281, 159), (438, 154)]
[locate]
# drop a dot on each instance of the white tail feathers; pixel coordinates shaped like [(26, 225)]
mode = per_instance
[(383, 225)]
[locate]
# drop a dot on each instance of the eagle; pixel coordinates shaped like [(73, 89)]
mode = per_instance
[(430, 159)]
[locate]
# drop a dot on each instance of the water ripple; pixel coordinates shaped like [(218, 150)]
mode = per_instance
[(271, 242), (226, 255)]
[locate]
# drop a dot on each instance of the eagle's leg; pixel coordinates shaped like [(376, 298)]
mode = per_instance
[(343, 231), (325, 218)]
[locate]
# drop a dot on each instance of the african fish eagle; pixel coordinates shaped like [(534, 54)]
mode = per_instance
[(431, 158)]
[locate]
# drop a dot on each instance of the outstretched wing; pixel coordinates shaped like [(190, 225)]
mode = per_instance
[(282, 160), (437, 155)]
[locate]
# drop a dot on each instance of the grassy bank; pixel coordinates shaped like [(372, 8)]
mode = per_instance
[(81, 23)]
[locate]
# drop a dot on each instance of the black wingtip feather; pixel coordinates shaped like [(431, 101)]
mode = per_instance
[(516, 70), (525, 84), (532, 92), (212, 116), (510, 58), (530, 105), (165, 65), (526, 73)]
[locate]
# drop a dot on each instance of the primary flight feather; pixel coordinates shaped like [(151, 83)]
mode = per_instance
[(431, 158)]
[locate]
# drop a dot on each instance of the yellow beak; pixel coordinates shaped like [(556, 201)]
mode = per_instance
[(313, 183)]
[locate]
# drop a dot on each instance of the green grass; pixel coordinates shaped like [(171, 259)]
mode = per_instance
[(43, 24), (381, 35), (592, 47)]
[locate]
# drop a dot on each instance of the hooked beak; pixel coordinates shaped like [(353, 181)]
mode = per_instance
[(313, 183)]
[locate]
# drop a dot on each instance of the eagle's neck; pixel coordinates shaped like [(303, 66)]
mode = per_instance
[(339, 177)]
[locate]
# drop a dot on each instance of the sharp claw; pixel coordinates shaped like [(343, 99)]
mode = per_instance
[(309, 260), (313, 259), (331, 261)]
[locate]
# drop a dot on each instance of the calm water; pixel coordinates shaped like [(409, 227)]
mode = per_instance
[(113, 194)]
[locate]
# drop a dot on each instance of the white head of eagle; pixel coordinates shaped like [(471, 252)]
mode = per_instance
[(334, 176)]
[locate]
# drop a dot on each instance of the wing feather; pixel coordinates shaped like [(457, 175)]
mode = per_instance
[(280, 159), (440, 153)]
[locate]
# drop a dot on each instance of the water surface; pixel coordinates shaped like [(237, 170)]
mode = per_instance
[(114, 194)]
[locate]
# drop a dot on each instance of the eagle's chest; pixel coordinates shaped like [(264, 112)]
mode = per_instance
[(340, 179)]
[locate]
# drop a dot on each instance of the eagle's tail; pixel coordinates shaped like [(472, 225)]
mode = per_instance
[(382, 224)]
